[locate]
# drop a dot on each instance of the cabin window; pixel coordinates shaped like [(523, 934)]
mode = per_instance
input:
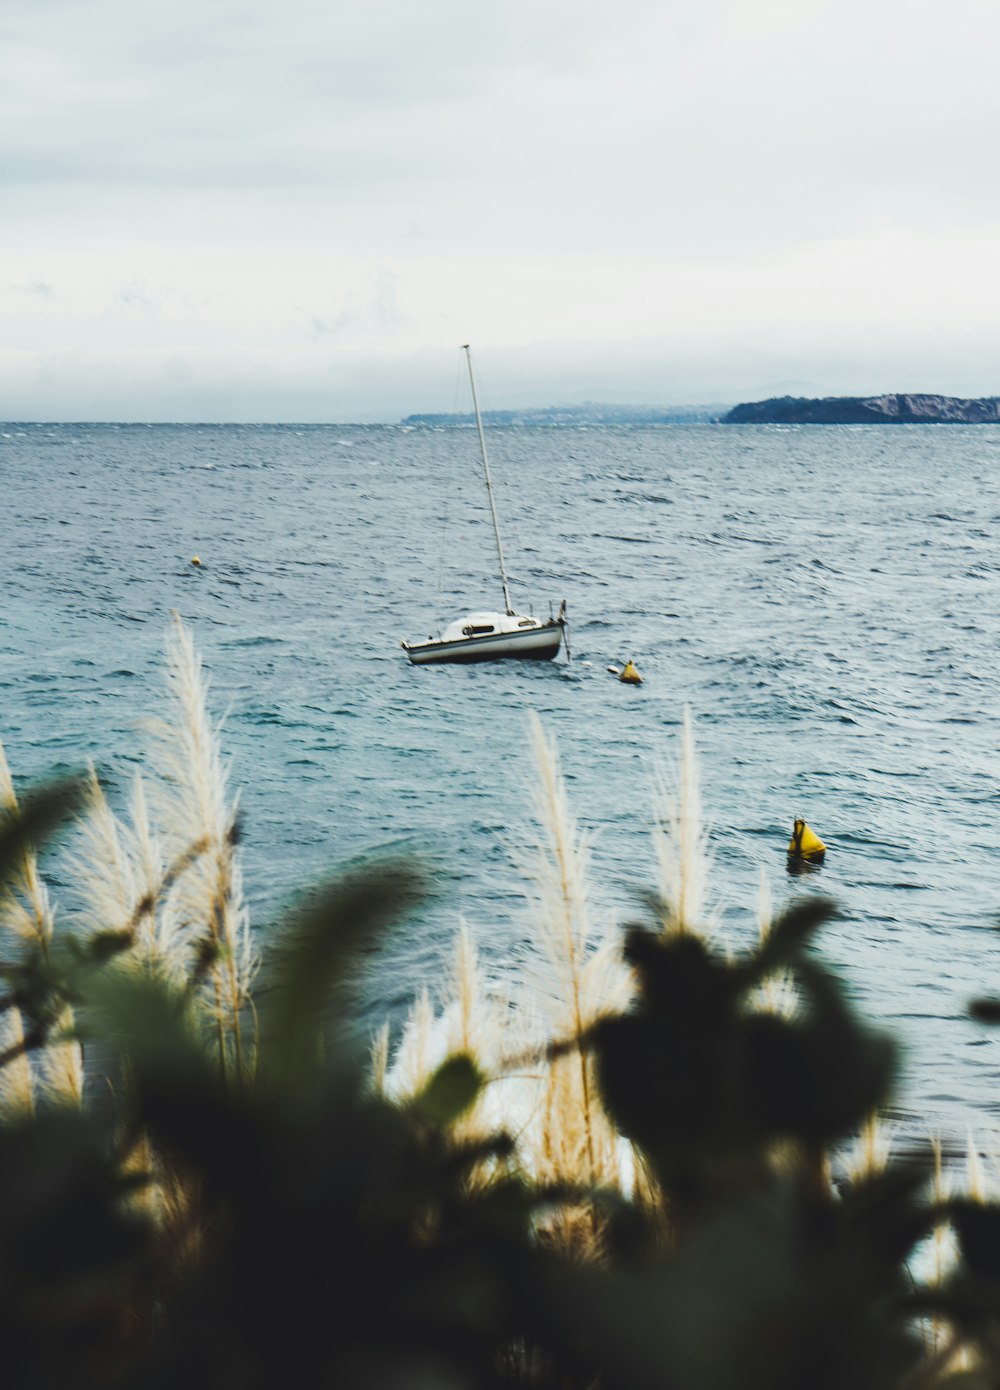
[(473, 631), (526, 622)]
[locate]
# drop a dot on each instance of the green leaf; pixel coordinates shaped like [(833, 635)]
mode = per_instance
[(143, 1023), (317, 960), (977, 1226), (985, 1010), (450, 1092), (789, 933), (38, 816)]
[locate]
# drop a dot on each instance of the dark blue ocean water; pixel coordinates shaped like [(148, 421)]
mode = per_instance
[(824, 599)]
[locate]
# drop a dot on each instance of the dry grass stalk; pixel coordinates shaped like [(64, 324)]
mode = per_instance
[(17, 1087), (942, 1250), (966, 1357), (573, 1143), (516, 1089), (161, 940), (25, 912), (549, 1104), (573, 1140), (194, 810), (24, 907), (140, 1162), (468, 1013), (164, 1198), (419, 1053), (181, 1235), (380, 1061), (946, 1346), (649, 1197), (61, 1062), (127, 888), (681, 842), (102, 868), (471, 1022), (870, 1156), (168, 892), (477, 1024), (777, 994)]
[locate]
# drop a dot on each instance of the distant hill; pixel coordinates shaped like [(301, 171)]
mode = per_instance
[(892, 409), (589, 413)]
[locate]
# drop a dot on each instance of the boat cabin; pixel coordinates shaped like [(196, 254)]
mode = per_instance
[(486, 624)]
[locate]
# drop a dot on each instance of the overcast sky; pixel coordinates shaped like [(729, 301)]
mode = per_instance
[(253, 210)]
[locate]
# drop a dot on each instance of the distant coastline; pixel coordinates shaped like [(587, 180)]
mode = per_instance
[(890, 409), (589, 413)]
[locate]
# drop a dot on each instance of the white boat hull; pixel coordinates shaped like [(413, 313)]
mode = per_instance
[(532, 644)]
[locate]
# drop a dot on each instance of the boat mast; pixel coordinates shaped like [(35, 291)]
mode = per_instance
[(489, 480)]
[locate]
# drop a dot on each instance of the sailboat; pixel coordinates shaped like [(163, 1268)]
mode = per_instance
[(489, 636)]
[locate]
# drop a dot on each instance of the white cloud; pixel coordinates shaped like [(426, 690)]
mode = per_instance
[(709, 194)]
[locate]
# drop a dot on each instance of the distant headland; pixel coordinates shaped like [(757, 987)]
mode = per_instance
[(891, 409)]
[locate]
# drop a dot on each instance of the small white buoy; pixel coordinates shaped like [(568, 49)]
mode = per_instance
[(614, 670)]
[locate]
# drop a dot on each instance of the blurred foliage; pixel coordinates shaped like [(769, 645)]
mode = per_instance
[(296, 1229)]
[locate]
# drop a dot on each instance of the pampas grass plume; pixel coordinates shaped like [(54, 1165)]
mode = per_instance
[(24, 906), (777, 994), (681, 842), (572, 1140), (419, 1052), (870, 1156), (25, 910), (198, 821), (379, 1060), (17, 1087)]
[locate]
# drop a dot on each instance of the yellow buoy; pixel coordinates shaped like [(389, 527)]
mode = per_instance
[(196, 559), (805, 844), (630, 675)]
